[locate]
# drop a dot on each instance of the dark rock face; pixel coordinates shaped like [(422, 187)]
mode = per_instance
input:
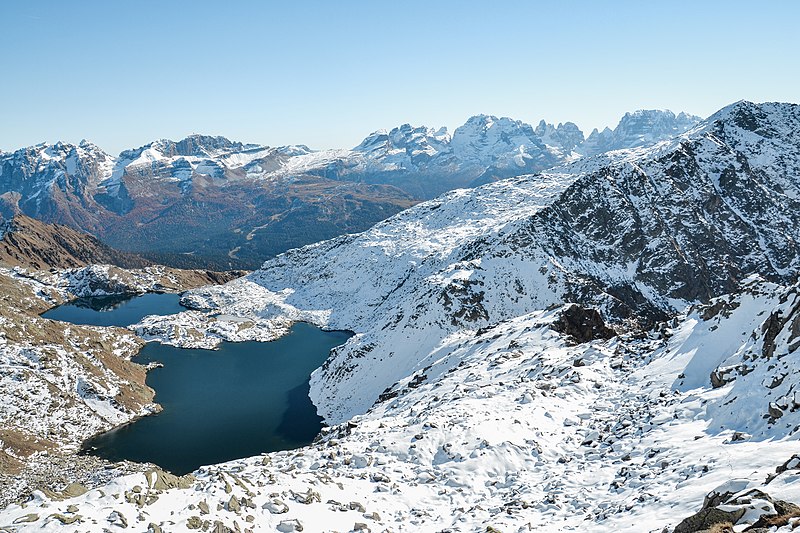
[(736, 505), (688, 223), (582, 324), (703, 520)]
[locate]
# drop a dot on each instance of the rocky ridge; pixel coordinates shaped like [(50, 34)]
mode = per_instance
[(224, 204), (25, 241), (609, 345)]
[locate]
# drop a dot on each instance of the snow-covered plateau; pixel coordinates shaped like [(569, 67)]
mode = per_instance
[(611, 345)]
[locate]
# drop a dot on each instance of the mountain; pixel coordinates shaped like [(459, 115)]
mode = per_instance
[(608, 346), (202, 201), (637, 234), (641, 128), (55, 183), (25, 241), (427, 162), (212, 202), (564, 138)]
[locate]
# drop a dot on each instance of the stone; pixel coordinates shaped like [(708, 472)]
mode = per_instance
[(582, 324), (159, 480), (355, 506), (118, 519), (774, 411), (30, 517), (288, 526), (706, 518), (276, 506), (233, 505)]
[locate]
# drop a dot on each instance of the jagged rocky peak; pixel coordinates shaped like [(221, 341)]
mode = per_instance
[(412, 139), (25, 170), (207, 146), (490, 125), (565, 137), (652, 123), (640, 128), (486, 138), (766, 120), (192, 146), (58, 152)]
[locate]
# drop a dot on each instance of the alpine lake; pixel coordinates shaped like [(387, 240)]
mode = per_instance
[(242, 399)]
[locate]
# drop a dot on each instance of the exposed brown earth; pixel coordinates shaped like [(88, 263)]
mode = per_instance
[(35, 244)]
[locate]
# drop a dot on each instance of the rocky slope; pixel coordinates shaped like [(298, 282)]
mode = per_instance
[(25, 241), (220, 204), (518, 428), (637, 234), (610, 345)]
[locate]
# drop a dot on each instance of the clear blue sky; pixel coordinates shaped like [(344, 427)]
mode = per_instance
[(327, 73)]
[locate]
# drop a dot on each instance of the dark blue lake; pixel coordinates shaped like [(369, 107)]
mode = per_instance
[(117, 310), (241, 400)]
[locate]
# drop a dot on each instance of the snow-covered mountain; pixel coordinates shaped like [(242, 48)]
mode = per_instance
[(638, 234), (608, 346), (203, 201), (564, 138), (211, 201), (641, 128), (56, 182), (427, 162)]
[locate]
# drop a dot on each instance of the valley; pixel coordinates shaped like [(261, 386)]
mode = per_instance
[(208, 202), (399, 267), (608, 344)]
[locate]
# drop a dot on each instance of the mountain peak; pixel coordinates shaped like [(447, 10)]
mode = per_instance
[(414, 140), (639, 128)]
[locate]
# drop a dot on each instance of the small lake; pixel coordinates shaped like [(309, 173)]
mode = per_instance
[(240, 400), (118, 310)]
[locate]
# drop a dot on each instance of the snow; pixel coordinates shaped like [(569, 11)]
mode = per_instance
[(456, 406), (503, 430)]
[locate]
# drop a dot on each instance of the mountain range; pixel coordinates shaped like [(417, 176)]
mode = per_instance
[(609, 345), (211, 202)]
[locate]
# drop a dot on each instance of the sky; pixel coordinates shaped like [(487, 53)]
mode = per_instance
[(327, 73)]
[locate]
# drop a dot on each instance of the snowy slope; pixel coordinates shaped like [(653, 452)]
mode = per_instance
[(511, 428), (638, 234), (457, 406)]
